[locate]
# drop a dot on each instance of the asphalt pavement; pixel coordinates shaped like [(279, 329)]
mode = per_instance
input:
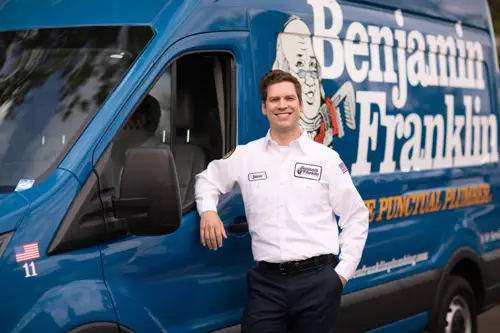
[(489, 322)]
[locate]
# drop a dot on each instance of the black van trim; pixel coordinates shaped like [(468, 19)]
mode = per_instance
[(392, 302), (230, 329)]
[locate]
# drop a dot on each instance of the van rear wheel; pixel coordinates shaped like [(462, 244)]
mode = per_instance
[(457, 308)]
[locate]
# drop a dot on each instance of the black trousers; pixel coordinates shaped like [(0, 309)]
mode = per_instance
[(301, 302)]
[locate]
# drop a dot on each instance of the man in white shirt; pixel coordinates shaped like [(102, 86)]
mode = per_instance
[(291, 188)]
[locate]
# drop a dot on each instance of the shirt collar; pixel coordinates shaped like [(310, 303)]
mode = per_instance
[(301, 141)]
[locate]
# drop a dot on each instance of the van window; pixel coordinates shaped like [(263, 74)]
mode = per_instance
[(495, 19), (189, 109), (52, 81)]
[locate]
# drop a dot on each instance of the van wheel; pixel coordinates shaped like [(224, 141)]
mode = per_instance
[(457, 308)]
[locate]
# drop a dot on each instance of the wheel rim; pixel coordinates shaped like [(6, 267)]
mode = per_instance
[(458, 318)]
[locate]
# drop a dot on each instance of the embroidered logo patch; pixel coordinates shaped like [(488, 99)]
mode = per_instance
[(257, 176), (308, 171)]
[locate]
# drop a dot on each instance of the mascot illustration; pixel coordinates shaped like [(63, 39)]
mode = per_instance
[(322, 117)]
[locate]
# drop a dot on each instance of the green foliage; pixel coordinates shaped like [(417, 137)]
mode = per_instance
[(495, 18), (495, 15)]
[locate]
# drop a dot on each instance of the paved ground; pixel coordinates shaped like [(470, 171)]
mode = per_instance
[(489, 322)]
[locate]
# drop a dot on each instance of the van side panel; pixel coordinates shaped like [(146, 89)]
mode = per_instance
[(414, 101), (472, 13), (52, 293)]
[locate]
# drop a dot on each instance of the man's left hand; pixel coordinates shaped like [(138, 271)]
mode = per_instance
[(343, 281)]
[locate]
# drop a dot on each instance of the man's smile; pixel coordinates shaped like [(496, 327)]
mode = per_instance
[(283, 115)]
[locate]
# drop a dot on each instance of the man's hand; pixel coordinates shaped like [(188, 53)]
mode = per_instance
[(211, 230), (342, 280)]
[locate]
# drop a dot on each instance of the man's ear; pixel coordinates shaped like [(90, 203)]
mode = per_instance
[(264, 110)]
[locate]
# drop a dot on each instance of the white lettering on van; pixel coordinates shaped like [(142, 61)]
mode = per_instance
[(434, 135), (457, 133), (324, 35), (442, 146), (434, 60), (379, 35), (416, 61), (369, 123), (356, 31), (475, 52)]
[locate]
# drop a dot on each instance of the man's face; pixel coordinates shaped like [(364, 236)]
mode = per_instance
[(282, 107), (303, 65)]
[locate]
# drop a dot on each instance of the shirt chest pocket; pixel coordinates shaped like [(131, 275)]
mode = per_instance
[(309, 193), (258, 192)]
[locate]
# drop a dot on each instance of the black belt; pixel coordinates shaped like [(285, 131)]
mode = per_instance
[(297, 266)]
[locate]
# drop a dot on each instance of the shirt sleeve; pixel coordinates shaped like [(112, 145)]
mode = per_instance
[(353, 217), (218, 178)]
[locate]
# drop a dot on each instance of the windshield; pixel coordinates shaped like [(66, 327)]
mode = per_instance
[(52, 81)]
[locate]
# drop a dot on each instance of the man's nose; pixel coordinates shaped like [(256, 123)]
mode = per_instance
[(282, 104)]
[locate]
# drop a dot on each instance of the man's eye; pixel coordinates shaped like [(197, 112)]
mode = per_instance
[(300, 63)]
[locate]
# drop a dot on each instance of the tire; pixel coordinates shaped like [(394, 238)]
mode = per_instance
[(457, 308)]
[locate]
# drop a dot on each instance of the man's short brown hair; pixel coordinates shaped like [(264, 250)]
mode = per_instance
[(277, 76)]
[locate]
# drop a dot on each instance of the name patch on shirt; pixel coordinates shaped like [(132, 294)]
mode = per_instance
[(308, 171), (257, 176)]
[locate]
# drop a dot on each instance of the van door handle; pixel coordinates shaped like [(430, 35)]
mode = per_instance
[(240, 225)]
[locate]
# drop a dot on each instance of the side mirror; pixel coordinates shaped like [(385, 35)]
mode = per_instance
[(149, 192)]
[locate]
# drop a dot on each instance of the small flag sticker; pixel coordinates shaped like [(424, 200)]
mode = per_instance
[(343, 167), (27, 252), (24, 184)]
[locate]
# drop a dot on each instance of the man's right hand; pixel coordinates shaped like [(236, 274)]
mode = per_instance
[(211, 230)]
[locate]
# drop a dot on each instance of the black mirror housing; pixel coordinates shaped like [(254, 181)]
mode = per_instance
[(149, 192)]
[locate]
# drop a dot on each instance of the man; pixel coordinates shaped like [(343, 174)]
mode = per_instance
[(291, 187), (323, 118)]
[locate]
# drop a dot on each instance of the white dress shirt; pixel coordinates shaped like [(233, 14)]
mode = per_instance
[(291, 194)]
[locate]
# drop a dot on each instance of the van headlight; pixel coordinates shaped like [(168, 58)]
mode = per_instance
[(4, 241)]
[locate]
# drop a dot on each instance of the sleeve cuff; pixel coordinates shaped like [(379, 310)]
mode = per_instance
[(206, 206), (344, 269)]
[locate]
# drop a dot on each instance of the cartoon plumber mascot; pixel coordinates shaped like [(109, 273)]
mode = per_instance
[(322, 117)]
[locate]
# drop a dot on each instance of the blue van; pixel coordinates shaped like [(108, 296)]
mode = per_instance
[(109, 109)]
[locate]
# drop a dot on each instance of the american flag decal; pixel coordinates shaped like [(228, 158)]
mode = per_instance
[(27, 252), (343, 167)]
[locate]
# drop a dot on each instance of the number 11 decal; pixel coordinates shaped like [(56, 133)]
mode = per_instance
[(27, 269)]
